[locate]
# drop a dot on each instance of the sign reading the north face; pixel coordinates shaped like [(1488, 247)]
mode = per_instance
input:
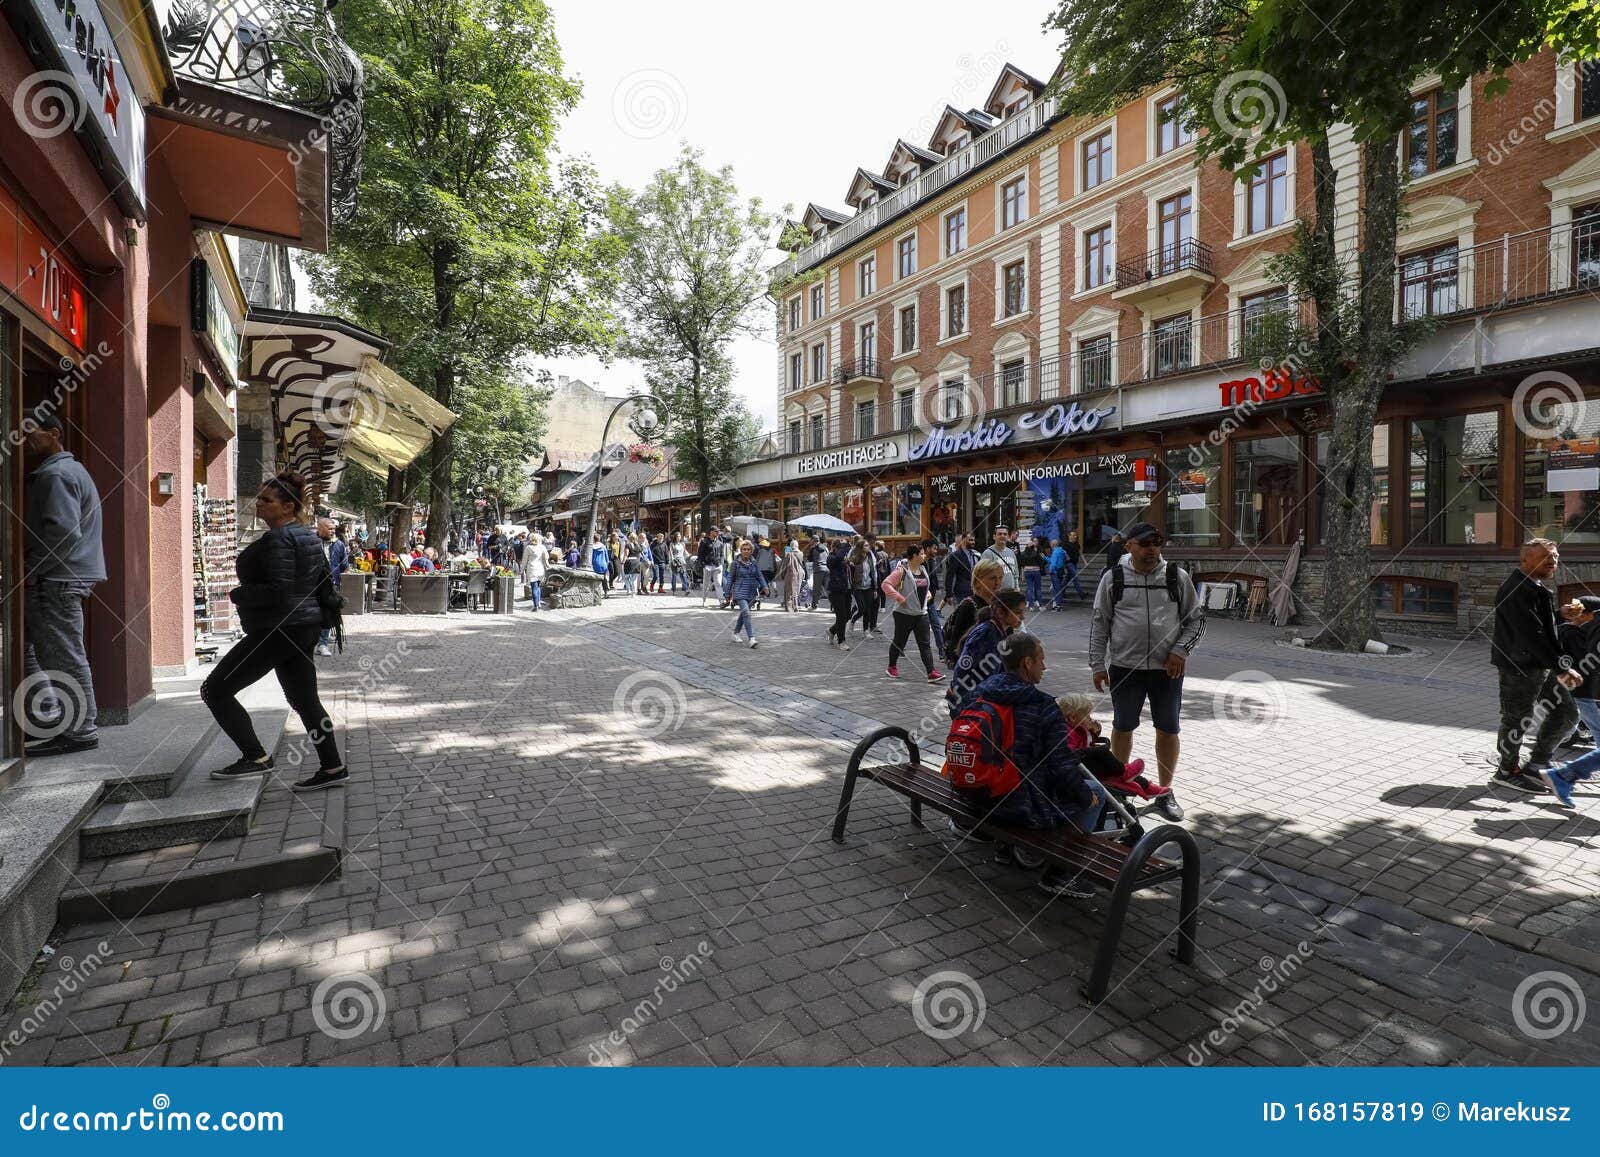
[(1057, 421), (864, 455), (1272, 386)]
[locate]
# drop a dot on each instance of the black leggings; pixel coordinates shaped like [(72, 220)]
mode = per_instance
[(840, 602), (287, 652), (866, 609), (904, 627)]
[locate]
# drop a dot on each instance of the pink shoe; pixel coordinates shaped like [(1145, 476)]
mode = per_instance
[(935, 676), (1135, 767), (893, 672)]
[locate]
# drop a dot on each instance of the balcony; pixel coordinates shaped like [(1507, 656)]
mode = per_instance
[(1170, 269), (860, 370)]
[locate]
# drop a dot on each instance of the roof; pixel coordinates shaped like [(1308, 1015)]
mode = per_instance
[(627, 478), (1032, 84), (975, 121), (558, 459), (827, 216), (864, 182)]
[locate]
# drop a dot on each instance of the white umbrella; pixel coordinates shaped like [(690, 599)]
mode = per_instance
[(823, 522)]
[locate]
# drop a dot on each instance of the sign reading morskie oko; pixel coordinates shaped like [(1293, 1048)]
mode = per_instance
[(1057, 421), (35, 271)]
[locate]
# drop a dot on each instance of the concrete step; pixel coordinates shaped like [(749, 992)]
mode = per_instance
[(141, 760), (37, 830), (199, 808)]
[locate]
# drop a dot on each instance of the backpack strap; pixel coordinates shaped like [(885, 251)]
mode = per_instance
[(1174, 575), (1118, 582)]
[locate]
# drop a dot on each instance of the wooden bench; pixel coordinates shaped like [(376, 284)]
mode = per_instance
[(1124, 869)]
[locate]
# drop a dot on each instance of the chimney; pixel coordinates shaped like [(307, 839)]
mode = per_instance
[(561, 380)]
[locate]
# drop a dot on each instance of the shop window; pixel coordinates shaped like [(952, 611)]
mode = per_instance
[(1453, 494), (801, 505), (1561, 477), (1171, 344), (1588, 96), (1586, 243), (908, 510), (1414, 597), (1194, 496), (1431, 135), (1266, 491), (1094, 363), (1379, 512), (1428, 282), (767, 511), (882, 509), (944, 511), (845, 504)]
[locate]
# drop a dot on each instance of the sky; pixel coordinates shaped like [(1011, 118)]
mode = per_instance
[(794, 97)]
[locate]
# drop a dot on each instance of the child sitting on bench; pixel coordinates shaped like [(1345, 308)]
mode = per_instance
[(1083, 736)]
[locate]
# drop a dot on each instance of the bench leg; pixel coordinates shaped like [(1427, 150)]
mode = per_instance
[(1189, 899), (1122, 893), (853, 768), (1106, 954)]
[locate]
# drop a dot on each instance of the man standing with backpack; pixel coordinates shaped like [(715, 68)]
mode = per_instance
[(1147, 620)]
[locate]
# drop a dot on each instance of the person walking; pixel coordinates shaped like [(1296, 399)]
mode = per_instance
[(880, 556), (958, 569), (1147, 621), (1002, 552), (600, 562), (280, 575), (533, 570), (933, 552), (908, 590), (632, 566), (863, 581), (745, 585), (817, 570), (840, 598), (678, 561), (1526, 652), (767, 560), (338, 556), (62, 560), (791, 573), (1074, 554), (659, 556), (1115, 549), (1032, 563)]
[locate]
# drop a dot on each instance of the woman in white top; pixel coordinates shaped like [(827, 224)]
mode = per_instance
[(533, 567), (906, 589)]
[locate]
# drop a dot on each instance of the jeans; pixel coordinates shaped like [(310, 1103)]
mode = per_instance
[(904, 627), (1520, 692), (53, 623), (744, 620), (536, 593), (841, 602), (630, 582), (712, 586), (936, 625), (1031, 581), (661, 574), (677, 573), (1087, 819), (1584, 766), (286, 652), (866, 610), (1058, 584)]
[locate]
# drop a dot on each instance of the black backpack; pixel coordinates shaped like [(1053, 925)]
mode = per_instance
[(331, 603), (1119, 582)]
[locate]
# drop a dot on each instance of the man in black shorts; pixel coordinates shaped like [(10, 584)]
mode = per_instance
[(1147, 620)]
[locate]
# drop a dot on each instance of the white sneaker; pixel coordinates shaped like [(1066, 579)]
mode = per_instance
[(752, 644), (324, 649)]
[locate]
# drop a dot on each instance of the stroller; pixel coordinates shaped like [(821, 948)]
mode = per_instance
[(1126, 788)]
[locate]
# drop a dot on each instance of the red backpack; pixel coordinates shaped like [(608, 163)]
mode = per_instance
[(977, 752)]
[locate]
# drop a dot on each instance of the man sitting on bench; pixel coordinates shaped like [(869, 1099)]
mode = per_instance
[(1008, 757)]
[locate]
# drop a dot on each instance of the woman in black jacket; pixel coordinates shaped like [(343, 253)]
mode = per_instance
[(279, 576), (839, 596)]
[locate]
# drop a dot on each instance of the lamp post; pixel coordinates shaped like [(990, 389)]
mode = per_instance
[(642, 421)]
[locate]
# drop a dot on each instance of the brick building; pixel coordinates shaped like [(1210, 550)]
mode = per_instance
[(1048, 322)]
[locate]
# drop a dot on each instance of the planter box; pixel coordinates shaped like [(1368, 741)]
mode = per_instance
[(353, 586), (424, 594), (505, 594)]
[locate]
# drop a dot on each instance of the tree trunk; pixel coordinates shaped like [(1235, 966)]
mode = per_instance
[(444, 380), (1347, 609), (399, 516)]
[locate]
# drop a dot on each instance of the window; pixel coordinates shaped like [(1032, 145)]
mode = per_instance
[(906, 249), (869, 275), (816, 302), (1094, 363), (1015, 295), (796, 369), (795, 443), (1171, 341), (819, 363), (1175, 216), (955, 310), (1378, 515), (1269, 194), (959, 143), (1013, 202), (1561, 503), (1194, 495), (955, 232), (794, 314), (868, 200), (845, 504), (1097, 160), (1097, 257), (1586, 243), (1013, 382), (1453, 487), (1256, 335), (1588, 96), (866, 419), (906, 409), (907, 510), (867, 349), (1266, 491), (1170, 130), (951, 395), (1428, 282), (880, 510), (817, 431), (1019, 105), (1431, 135), (1410, 597), (908, 329)]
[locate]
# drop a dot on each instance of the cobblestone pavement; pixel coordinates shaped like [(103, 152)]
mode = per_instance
[(601, 836)]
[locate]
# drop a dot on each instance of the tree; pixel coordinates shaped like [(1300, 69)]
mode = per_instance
[(694, 272), (502, 426), (466, 250), (1253, 77)]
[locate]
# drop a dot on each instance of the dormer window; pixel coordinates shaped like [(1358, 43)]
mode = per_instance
[(1018, 105), (959, 143), (868, 201)]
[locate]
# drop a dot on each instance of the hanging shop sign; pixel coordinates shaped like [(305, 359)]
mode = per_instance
[(1572, 464), (84, 87), (1057, 421), (1272, 386), (36, 272), (211, 321), (866, 454)]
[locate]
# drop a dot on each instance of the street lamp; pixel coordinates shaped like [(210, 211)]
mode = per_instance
[(649, 417)]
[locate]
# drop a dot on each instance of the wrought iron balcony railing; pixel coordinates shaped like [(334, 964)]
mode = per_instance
[(868, 367), (1180, 257)]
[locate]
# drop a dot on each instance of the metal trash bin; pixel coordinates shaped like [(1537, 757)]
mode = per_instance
[(505, 594), (353, 586)]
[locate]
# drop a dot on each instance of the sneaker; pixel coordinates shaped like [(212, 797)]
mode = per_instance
[(1521, 780), (60, 745), (1004, 856), (325, 777), (893, 672), (876, 632), (734, 636), (324, 649), (1058, 883), (935, 676), (842, 646), (1558, 784), (240, 768), (971, 835), (752, 644), (1135, 767), (1169, 806), (1580, 738)]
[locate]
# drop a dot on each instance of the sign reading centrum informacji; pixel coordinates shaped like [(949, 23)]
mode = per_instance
[(1057, 421), (865, 454)]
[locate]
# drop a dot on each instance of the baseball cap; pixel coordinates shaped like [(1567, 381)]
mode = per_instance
[(1140, 530), (1590, 603), (44, 417)]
